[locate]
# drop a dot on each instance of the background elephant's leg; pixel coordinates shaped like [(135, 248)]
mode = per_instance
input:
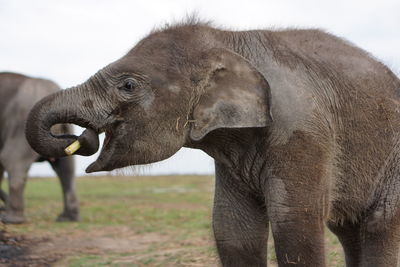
[(3, 195), (64, 167), (16, 183), (16, 157), (349, 236), (240, 223)]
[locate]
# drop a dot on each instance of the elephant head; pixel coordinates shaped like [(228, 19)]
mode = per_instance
[(171, 90)]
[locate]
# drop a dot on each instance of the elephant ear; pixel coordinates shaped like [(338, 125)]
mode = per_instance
[(234, 95)]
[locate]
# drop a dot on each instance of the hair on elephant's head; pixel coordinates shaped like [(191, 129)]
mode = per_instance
[(173, 88)]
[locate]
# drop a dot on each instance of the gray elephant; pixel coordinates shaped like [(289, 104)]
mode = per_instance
[(303, 127), (18, 94)]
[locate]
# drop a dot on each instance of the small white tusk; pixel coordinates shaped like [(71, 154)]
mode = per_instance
[(72, 148)]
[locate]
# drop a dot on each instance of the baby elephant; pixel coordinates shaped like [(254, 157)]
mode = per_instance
[(18, 94), (303, 126)]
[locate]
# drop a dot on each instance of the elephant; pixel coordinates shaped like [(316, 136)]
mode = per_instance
[(303, 127), (18, 94)]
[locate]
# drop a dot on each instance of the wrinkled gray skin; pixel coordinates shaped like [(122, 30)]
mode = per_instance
[(18, 94), (303, 127)]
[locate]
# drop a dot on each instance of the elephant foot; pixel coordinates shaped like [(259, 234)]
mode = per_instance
[(68, 217), (8, 218)]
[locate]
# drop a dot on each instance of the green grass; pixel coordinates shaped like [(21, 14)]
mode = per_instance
[(170, 215)]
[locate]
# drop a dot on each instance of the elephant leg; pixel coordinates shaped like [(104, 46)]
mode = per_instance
[(298, 238), (16, 157), (380, 228), (380, 232), (64, 168), (240, 223), (349, 236), (3, 195), (380, 249), (14, 212), (297, 194)]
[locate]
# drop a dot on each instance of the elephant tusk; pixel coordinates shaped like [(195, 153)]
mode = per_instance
[(72, 148)]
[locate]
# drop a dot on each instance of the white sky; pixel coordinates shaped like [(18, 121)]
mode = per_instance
[(68, 41)]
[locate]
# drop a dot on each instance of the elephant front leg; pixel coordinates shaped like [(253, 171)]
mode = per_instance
[(16, 160), (3, 195), (297, 199), (349, 236), (297, 223), (240, 223), (14, 212), (64, 167), (299, 242)]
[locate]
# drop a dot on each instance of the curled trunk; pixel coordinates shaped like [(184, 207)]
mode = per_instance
[(61, 107)]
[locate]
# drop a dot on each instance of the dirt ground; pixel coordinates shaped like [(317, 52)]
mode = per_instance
[(125, 222), (16, 250), (131, 248)]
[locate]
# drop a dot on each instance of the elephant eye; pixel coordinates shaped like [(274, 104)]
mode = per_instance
[(129, 85)]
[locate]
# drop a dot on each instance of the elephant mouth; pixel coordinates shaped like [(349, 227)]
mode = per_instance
[(108, 137), (106, 161)]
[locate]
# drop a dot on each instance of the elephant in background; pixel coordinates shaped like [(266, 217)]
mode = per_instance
[(303, 126), (18, 94)]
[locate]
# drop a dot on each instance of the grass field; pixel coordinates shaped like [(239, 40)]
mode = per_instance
[(128, 221)]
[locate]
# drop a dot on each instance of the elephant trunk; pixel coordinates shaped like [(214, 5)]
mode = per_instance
[(61, 107)]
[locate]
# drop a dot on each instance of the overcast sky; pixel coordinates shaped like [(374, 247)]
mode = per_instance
[(68, 41)]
